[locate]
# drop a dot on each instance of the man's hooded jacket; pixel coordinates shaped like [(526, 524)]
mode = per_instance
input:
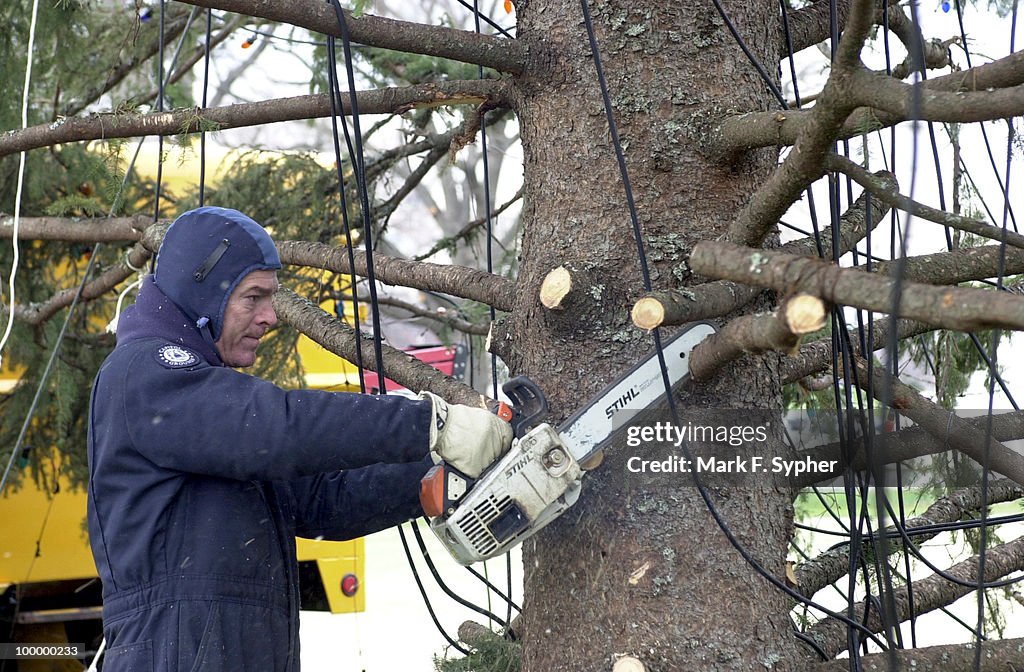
[(202, 476)]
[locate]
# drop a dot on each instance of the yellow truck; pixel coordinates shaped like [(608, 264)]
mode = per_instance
[(49, 591)]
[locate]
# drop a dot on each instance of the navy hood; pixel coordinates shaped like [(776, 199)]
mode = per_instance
[(204, 255)]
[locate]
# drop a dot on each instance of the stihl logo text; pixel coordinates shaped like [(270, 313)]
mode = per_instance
[(517, 466), (621, 402)]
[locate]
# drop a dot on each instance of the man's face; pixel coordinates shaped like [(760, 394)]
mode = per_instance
[(247, 317)]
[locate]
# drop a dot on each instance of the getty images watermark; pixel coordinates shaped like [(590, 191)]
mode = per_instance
[(734, 447), (722, 460)]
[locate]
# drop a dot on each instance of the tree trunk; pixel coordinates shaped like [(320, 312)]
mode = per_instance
[(614, 575)]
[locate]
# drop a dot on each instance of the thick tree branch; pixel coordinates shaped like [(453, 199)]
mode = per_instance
[(960, 265), (713, 299), (467, 283), (771, 129), (930, 593), (958, 308), (77, 230), (906, 444), (945, 426), (811, 25), (831, 565), (886, 193), (1000, 655), (897, 100), (806, 162), (374, 31), (339, 338), (781, 330), (127, 125)]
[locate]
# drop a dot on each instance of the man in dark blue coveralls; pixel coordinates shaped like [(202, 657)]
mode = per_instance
[(202, 476)]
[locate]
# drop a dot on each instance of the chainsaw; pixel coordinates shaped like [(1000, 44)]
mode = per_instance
[(540, 477)]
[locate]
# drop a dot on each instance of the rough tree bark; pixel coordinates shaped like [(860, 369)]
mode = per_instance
[(669, 69)]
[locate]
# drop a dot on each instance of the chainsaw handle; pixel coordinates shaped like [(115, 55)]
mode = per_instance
[(529, 405), (442, 486)]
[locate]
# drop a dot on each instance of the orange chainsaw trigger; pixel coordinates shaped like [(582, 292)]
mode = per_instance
[(432, 491), (504, 411)]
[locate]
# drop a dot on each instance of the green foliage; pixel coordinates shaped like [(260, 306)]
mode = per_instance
[(491, 653)]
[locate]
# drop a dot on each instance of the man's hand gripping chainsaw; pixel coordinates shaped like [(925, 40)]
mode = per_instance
[(540, 476)]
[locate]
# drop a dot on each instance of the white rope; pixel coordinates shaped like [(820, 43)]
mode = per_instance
[(112, 327), (21, 182), (96, 658)]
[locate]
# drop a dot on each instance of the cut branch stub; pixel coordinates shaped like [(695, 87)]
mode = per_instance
[(556, 286), (571, 288), (628, 664)]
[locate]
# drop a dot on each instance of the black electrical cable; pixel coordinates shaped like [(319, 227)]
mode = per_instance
[(490, 269), (444, 587), (474, 7), (984, 133), (359, 167), (426, 601), (765, 77), (160, 138), (494, 589), (645, 270), (789, 49), (336, 109), (206, 89)]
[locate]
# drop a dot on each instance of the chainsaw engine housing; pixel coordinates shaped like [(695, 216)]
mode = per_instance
[(529, 487)]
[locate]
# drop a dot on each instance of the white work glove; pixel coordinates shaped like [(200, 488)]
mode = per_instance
[(467, 438)]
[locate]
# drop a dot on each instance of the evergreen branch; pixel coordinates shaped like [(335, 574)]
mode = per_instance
[(944, 425), (36, 314), (896, 199), (830, 566), (963, 264), (896, 101), (816, 356), (469, 47), (174, 25), (1000, 655), (958, 308), (118, 125), (935, 53), (338, 337), (812, 24), (930, 593)]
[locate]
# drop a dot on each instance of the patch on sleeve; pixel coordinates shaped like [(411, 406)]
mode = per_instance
[(176, 357)]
